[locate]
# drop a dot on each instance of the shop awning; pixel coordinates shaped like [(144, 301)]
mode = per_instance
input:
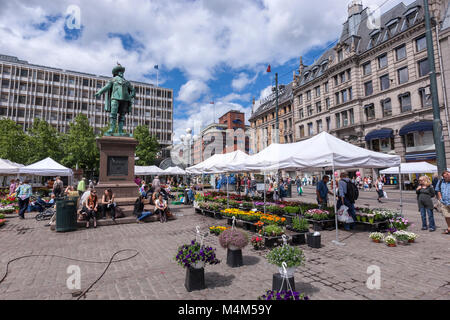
[(416, 126), (380, 134)]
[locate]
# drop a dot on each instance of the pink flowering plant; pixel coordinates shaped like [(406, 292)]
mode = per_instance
[(317, 214), (398, 223), (233, 237)]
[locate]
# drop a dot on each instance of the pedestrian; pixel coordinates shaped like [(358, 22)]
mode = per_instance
[(379, 188), (298, 183), (81, 188), (91, 184), (108, 203), (369, 182), (156, 184), (443, 195), (58, 187), (322, 192), (12, 187), (161, 208), (90, 207), (238, 185), (425, 192), (23, 193), (347, 197), (252, 186), (435, 180)]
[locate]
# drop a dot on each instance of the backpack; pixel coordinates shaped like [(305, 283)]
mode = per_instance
[(352, 191)]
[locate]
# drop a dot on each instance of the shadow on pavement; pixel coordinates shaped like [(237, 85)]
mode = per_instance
[(217, 280), (250, 260), (305, 288)]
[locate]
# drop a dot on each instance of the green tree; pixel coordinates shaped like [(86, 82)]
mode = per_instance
[(148, 146), (44, 141), (14, 142), (80, 146)]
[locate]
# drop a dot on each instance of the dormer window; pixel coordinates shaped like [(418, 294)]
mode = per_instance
[(410, 17), (391, 28), (374, 36), (324, 65)]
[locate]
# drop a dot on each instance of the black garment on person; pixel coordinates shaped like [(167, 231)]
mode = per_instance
[(424, 198), (138, 207), (112, 208)]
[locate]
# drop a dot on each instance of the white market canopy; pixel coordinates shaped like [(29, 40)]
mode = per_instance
[(319, 152), (147, 170), (174, 171), (46, 167), (8, 167), (220, 163), (412, 167)]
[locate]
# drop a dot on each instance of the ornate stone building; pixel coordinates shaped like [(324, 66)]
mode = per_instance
[(372, 88)]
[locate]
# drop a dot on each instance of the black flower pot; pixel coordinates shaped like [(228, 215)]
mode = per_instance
[(195, 279), (247, 225), (313, 241), (299, 238), (252, 227), (234, 258), (279, 285), (229, 221)]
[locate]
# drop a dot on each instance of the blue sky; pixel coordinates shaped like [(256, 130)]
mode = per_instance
[(206, 50)]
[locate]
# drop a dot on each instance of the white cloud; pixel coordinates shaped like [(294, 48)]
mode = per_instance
[(242, 81), (235, 97), (192, 91)]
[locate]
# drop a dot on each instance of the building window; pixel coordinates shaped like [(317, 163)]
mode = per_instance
[(300, 99), (308, 95), (405, 102), (86, 82), (403, 75), (344, 96), (382, 61), (369, 111), (6, 70), (56, 77), (302, 131), (338, 120), (317, 90), (301, 113), (325, 86), (384, 82), (318, 107), (386, 107), (400, 53), (424, 68), (71, 80), (328, 120), (340, 55), (352, 116), (309, 109), (425, 97), (367, 68), (368, 88), (319, 126), (421, 43), (344, 119), (310, 129), (342, 77), (336, 81), (327, 103), (337, 98)]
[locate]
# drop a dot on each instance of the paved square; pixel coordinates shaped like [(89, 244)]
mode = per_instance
[(417, 271)]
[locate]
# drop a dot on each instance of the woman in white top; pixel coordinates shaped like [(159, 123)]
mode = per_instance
[(161, 208), (379, 187)]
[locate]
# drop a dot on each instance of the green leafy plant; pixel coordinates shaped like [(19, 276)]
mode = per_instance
[(300, 224), (293, 256), (292, 210), (273, 230)]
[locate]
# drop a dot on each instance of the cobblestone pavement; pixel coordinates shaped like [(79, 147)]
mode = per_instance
[(417, 271)]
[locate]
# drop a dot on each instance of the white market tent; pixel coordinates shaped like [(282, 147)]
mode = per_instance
[(411, 168), (147, 170), (46, 167), (9, 168), (222, 163), (174, 171), (204, 166)]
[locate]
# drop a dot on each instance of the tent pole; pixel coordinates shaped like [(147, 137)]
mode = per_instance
[(337, 242), (400, 185), (228, 197), (264, 192)]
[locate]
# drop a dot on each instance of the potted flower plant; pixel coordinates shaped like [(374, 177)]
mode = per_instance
[(193, 258), (390, 241), (376, 237), (371, 217), (257, 242), (412, 237), (300, 225), (358, 217), (292, 256), (402, 236), (233, 240)]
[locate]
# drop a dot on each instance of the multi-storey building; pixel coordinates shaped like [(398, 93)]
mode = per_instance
[(31, 91), (372, 88), (263, 119), (229, 135)]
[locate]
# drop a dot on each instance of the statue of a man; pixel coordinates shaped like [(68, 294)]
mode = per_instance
[(118, 100)]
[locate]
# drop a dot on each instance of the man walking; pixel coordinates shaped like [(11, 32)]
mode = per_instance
[(81, 188), (443, 195), (58, 187), (24, 192), (322, 192), (346, 196)]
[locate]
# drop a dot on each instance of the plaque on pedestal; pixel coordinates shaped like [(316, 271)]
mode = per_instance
[(117, 166)]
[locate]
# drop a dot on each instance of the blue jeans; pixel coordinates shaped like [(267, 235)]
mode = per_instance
[(351, 209), (423, 213)]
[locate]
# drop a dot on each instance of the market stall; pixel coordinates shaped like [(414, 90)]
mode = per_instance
[(147, 171)]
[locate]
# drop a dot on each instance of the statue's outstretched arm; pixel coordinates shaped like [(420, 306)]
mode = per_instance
[(104, 89)]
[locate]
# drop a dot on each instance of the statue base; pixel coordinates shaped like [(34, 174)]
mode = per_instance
[(116, 170)]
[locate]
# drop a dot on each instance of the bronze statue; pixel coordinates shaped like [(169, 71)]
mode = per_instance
[(119, 99)]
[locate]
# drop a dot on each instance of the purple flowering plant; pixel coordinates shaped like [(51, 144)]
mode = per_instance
[(189, 254), (283, 295), (398, 223), (233, 237)]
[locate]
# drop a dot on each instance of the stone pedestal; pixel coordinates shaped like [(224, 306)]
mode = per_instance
[(117, 166)]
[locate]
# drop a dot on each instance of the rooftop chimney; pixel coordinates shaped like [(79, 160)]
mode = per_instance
[(355, 7)]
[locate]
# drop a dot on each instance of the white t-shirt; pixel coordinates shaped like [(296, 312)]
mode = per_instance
[(160, 205)]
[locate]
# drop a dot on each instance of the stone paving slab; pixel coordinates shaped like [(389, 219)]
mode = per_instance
[(416, 271)]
